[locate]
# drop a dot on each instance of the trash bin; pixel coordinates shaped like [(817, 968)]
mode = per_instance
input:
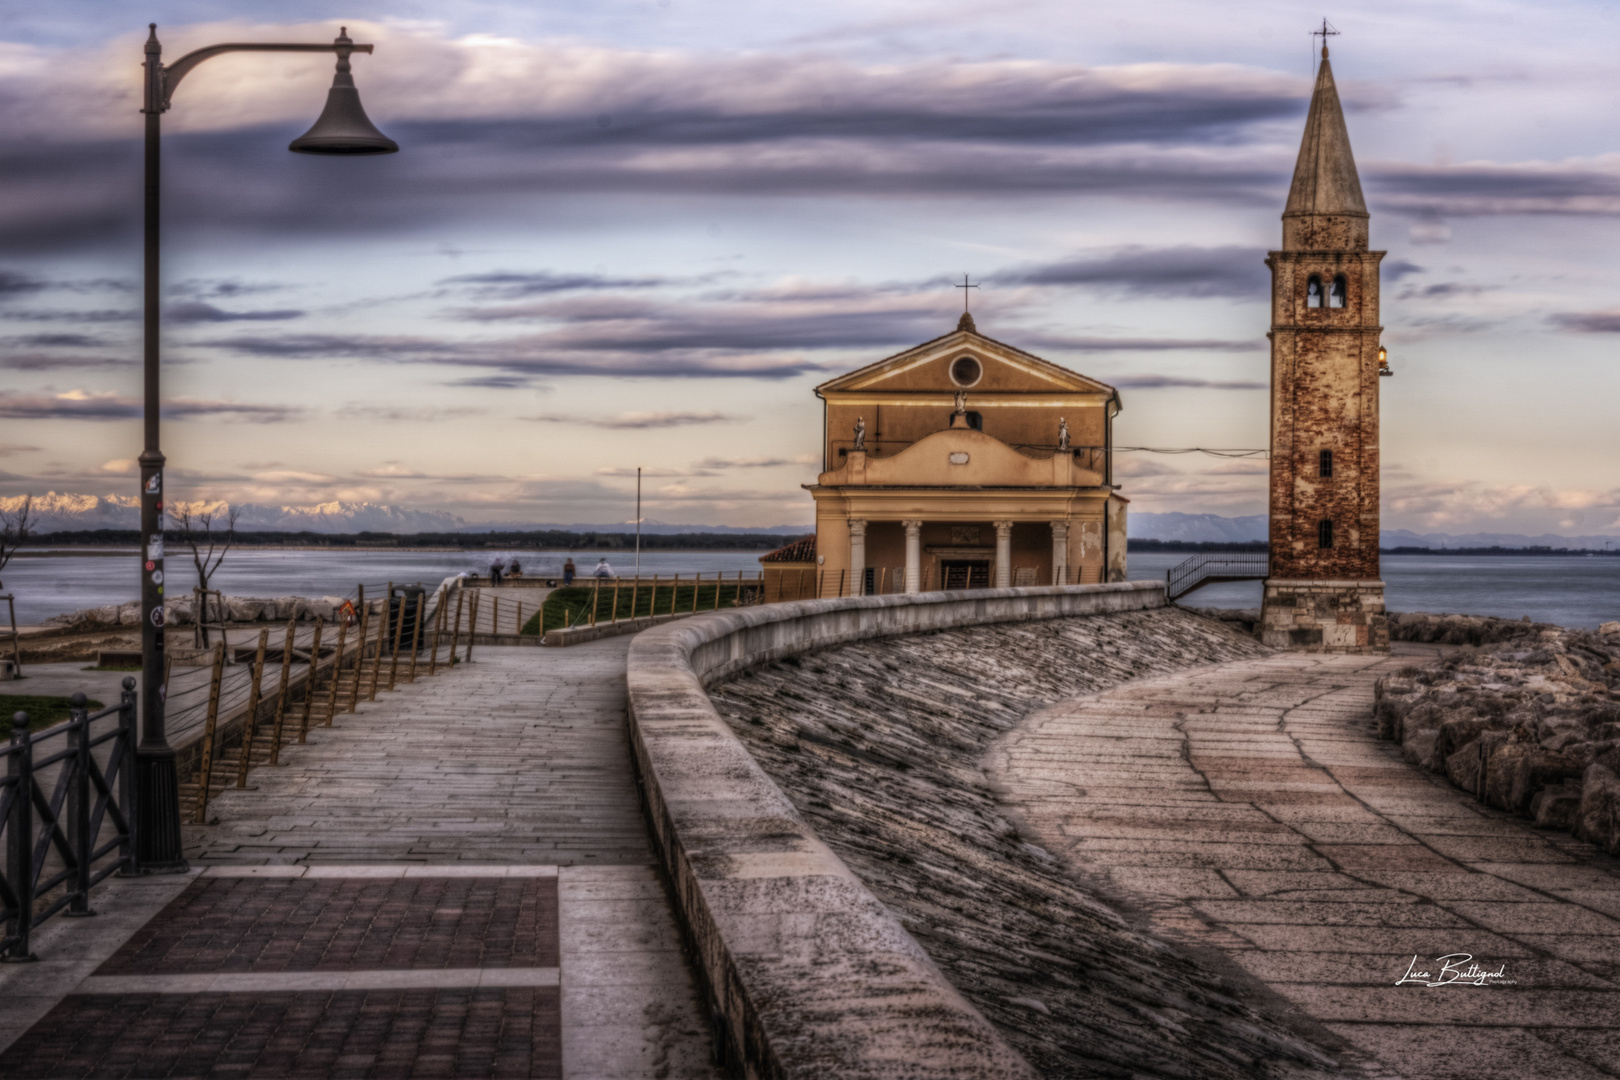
[(410, 599)]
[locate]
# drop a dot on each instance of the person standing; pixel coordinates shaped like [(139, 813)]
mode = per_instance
[(568, 571), (495, 569)]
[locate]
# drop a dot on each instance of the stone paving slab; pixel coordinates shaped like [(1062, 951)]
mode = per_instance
[(1249, 809), (501, 915)]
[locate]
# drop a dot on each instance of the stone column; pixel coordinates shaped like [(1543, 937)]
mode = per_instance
[(1060, 553), (1003, 554), (857, 557), (913, 555)]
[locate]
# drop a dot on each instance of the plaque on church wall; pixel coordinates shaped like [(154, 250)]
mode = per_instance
[(964, 534), (959, 458)]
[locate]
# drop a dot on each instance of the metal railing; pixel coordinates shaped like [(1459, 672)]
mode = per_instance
[(1216, 566), (65, 816)]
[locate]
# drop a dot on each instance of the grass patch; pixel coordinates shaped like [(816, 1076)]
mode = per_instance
[(42, 710), (571, 606)]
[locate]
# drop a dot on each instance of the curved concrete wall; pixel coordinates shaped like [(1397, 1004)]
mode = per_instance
[(812, 976)]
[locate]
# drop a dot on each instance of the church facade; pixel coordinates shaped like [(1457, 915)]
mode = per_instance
[(1323, 591), (966, 463)]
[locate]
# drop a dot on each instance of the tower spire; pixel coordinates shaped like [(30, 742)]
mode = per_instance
[(1326, 184)]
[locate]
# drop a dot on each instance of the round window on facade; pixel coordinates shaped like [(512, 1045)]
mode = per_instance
[(966, 371)]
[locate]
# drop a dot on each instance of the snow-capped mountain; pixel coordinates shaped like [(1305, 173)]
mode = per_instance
[(55, 512)]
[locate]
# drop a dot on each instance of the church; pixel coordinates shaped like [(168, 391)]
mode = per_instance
[(965, 462)]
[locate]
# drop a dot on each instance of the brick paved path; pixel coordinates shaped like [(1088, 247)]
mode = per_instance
[(455, 881), (1249, 809)]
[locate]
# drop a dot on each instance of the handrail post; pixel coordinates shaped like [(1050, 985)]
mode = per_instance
[(79, 809), (337, 670), (20, 829), (399, 632), (382, 638), (416, 636), (205, 766), (254, 699), (311, 672), (359, 652), (472, 622), (124, 748), (455, 628), (281, 693)]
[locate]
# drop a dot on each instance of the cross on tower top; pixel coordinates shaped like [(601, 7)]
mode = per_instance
[(1326, 32), (965, 287)]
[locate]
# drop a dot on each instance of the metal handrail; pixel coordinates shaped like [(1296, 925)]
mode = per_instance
[(68, 821), (1212, 567)]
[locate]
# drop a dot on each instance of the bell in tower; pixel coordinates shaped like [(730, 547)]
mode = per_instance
[(1323, 592)]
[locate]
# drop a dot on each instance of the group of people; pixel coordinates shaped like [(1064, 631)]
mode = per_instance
[(500, 569)]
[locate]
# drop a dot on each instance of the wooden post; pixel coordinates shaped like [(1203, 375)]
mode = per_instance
[(309, 680), (399, 635), (519, 630), (596, 598), (472, 623), (359, 653), (615, 617), (841, 584), (440, 613), (281, 693), (674, 592), (494, 615), (253, 710), (376, 658), (337, 669), (635, 594), (16, 649), (205, 767), (719, 576), (652, 601), (416, 638), (455, 630)]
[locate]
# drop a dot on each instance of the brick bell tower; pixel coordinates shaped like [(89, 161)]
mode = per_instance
[(1324, 593)]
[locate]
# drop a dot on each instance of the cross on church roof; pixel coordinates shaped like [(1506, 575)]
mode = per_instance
[(1326, 32), (965, 287)]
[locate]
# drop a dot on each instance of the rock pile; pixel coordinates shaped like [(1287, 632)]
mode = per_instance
[(1528, 719), (178, 611), (878, 745)]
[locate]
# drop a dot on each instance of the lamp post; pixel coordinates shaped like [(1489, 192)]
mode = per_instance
[(342, 129)]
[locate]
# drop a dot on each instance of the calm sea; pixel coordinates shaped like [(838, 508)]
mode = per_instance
[(1579, 592)]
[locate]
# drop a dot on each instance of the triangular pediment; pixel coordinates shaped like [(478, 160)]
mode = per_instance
[(1007, 369)]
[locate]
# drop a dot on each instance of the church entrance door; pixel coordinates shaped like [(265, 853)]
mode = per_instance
[(965, 574)]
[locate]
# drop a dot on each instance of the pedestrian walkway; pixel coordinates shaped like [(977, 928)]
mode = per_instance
[(1250, 810), (454, 881)]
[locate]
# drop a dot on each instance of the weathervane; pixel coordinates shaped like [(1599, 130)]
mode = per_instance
[(965, 287), (1326, 32)]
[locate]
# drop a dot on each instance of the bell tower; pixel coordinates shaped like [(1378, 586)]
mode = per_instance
[(1323, 592)]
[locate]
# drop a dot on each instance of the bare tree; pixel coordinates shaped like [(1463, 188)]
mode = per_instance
[(14, 529), (208, 550)]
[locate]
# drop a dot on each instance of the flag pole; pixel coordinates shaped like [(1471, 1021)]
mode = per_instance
[(638, 522)]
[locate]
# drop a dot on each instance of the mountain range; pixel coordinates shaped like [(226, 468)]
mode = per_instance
[(54, 512)]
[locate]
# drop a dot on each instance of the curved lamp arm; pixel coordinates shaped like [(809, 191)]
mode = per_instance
[(161, 79)]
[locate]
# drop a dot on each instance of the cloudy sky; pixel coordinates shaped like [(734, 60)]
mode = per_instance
[(637, 232)]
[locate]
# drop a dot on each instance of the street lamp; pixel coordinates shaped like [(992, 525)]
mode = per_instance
[(342, 129)]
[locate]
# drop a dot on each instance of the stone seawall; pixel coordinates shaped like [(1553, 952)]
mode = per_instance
[(811, 975), (879, 746)]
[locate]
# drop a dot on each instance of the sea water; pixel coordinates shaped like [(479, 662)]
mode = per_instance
[(1567, 590)]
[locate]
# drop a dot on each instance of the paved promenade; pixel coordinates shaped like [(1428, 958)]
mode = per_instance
[(455, 881), (1249, 811)]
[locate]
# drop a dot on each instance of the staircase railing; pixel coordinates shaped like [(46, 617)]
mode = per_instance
[(1215, 566)]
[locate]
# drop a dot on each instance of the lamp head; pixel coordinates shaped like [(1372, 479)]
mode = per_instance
[(343, 127)]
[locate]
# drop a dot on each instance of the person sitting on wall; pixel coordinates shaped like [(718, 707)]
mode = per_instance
[(568, 571), (603, 569), (514, 569)]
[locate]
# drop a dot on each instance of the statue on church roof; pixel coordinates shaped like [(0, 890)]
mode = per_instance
[(860, 433), (1063, 434), (961, 402)]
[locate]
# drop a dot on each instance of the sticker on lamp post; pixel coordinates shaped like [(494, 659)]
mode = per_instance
[(154, 550), (154, 484), (157, 616)]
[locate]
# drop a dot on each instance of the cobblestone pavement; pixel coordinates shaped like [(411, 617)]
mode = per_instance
[(1249, 810), (454, 881)]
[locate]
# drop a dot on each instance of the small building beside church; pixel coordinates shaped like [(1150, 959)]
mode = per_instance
[(966, 462)]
